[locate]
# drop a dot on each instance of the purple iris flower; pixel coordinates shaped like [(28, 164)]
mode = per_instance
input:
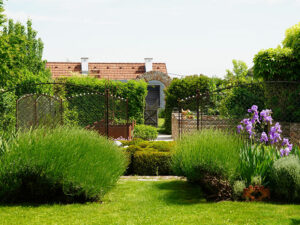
[(284, 152), (264, 137), (254, 108), (239, 128), (265, 116), (255, 118)]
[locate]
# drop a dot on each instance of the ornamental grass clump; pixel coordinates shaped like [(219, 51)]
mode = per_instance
[(59, 165), (211, 152)]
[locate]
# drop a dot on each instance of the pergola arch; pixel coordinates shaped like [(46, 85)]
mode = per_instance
[(156, 75)]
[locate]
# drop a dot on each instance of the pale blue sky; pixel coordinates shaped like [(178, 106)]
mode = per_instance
[(191, 36)]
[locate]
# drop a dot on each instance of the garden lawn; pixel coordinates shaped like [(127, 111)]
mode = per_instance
[(152, 202)]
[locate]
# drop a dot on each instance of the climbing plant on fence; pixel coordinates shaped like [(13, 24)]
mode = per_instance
[(181, 88), (135, 91)]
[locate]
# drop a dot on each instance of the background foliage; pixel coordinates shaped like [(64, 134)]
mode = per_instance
[(182, 88), (135, 91)]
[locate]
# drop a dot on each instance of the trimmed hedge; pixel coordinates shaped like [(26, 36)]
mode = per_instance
[(182, 88), (149, 157), (151, 163), (145, 132)]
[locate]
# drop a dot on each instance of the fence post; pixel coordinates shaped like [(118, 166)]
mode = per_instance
[(179, 118), (198, 105), (107, 112), (35, 113), (127, 119), (61, 112)]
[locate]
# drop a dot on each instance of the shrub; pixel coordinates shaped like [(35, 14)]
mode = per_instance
[(238, 189), (210, 152), (285, 178), (149, 158), (151, 163), (145, 132), (59, 165), (182, 88), (242, 97)]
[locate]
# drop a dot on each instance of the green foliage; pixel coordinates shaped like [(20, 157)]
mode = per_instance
[(277, 64), (182, 88), (2, 16), (284, 100), (286, 178), (238, 189), (240, 98), (135, 91), (256, 160), (151, 163), (149, 157), (62, 164), (21, 55), (281, 64), (145, 132), (210, 152), (240, 70), (292, 39)]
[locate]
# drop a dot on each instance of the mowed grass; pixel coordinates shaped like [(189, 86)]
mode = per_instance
[(152, 202)]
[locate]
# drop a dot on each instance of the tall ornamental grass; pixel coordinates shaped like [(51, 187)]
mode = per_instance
[(212, 152), (59, 165)]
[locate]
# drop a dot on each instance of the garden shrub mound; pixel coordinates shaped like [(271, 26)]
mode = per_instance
[(60, 165), (149, 157), (145, 132), (285, 178), (210, 158)]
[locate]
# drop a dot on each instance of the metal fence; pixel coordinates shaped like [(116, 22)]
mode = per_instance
[(224, 107), (51, 105)]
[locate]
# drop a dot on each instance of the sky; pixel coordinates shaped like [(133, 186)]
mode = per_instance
[(190, 36)]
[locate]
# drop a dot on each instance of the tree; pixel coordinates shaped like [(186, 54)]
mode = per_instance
[(20, 54), (281, 63), (2, 16), (240, 70)]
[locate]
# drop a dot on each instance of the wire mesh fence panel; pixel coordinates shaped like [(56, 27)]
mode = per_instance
[(38, 110), (224, 108), (49, 111), (26, 112)]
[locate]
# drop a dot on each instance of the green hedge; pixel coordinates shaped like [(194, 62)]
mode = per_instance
[(182, 88), (149, 157), (151, 163), (135, 91), (145, 132)]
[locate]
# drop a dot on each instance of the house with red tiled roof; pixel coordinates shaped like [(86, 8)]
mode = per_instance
[(155, 74)]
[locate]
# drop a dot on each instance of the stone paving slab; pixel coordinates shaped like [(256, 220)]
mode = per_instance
[(164, 137)]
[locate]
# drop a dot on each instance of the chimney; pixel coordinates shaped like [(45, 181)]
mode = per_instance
[(148, 64), (84, 65)]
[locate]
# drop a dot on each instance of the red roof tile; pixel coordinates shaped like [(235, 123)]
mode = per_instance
[(113, 71)]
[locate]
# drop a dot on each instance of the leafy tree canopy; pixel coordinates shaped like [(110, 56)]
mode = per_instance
[(281, 63), (20, 53)]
